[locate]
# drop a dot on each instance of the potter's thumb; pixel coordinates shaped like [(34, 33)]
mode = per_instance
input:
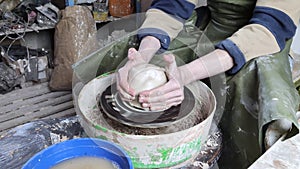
[(132, 53), (171, 66), (170, 59)]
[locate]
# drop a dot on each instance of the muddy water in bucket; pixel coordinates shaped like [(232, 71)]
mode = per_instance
[(86, 163), (174, 145)]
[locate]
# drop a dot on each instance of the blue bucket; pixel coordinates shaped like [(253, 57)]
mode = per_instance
[(82, 147)]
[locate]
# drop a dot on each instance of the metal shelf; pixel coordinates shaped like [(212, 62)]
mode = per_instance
[(33, 28), (109, 19)]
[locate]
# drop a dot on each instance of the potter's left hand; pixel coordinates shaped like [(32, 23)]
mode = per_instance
[(170, 94)]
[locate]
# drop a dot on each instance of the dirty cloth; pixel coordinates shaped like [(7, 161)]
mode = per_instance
[(9, 78), (262, 91), (21, 143)]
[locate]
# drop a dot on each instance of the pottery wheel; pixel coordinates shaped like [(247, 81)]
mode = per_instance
[(117, 109)]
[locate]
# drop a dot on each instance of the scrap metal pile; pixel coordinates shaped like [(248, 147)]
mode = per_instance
[(24, 14), (18, 62)]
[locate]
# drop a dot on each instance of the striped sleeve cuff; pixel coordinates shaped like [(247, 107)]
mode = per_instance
[(235, 53), (161, 35)]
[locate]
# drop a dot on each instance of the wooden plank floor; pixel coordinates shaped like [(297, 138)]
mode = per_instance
[(32, 103)]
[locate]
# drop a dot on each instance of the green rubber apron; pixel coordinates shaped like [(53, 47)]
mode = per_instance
[(262, 91)]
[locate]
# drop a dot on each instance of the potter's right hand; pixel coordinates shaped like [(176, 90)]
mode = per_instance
[(148, 47), (134, 58)]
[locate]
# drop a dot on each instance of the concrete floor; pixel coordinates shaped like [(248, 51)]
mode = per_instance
[(284, 154)]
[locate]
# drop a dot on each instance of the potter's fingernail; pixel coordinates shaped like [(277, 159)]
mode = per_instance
[(129, 97), (131, 91), (145, 105), (131, 50)]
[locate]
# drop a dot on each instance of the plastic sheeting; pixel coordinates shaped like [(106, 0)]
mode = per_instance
[(19, 144), (261, 92)]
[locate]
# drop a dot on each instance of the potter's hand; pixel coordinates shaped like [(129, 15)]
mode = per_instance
[(148, 47), (170, 94), (134, 58)]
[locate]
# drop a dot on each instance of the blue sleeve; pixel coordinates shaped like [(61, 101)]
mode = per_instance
[(235, 53), (161, 35), (180, 10), (276, 21)]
